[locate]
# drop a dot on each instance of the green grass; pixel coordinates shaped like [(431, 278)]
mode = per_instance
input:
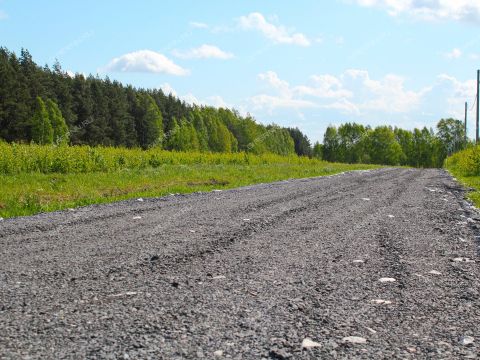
[(31, 186), (465, 167)]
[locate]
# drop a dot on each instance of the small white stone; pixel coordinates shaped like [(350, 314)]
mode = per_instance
[(309, 343), (371, 330), (140, 199), (358, 261), (218, 353), (386, 280), (246, 219), (470, 220), (218, 277), (381, 302), (391, 216), (137, 217), (216, 190), (460, 259), (71, 209), (192, 231), (354, 340), (1, 219), (435, 272), (467, 340), (365, 199), (462, 240)]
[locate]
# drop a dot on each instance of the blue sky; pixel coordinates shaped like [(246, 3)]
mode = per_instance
[(306, 63)]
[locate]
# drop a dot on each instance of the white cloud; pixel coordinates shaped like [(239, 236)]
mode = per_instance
[(352, 93), (388, 94), (145, 61), (168, 89), (218, 102), (457, 93), (454, 54), (344, 105), (325, 86), (215, 100), (284, 97), (271, 102), (272, 79), (459, 10), (277, 33), (198, 25), (204, 52)]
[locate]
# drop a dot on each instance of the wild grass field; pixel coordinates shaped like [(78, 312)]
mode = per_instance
[(35, 178), (465, 166)]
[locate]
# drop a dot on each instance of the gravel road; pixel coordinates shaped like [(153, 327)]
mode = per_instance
[(369, 264)]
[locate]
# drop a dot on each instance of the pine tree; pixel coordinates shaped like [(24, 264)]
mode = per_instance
[(149, 122), (61, 134), (42, 131)]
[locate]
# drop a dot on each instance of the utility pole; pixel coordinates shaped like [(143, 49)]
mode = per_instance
[(465, 130), (478, 108)]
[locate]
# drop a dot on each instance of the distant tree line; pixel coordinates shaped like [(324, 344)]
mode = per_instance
[(355, 143), (45, 105)]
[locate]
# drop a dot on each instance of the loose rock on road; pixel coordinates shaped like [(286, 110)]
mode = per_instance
[(373, 264)]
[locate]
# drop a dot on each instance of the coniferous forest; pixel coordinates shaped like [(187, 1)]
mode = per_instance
[(46, 105)]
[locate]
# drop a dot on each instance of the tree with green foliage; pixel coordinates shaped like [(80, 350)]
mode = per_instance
[(317, 150), (182, 136), (301, 141), (60, 129), (451, 134), (405, 139), (149, 122), (196, 119), (349, 142), (331, 144), (42, 131), (382, 146)]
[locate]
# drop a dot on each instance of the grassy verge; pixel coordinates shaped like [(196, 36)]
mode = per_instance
[(465, 167), (30, 193)]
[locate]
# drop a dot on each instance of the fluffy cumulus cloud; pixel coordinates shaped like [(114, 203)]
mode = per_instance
[(276, 33), (324, 86), (284, 96), (353, 92), (147, 61), (387, 94), (456, 93), (459, 10), (168, 89), (204, 52)]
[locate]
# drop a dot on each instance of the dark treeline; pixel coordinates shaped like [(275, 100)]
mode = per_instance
[(45, 105), (354, 143)]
